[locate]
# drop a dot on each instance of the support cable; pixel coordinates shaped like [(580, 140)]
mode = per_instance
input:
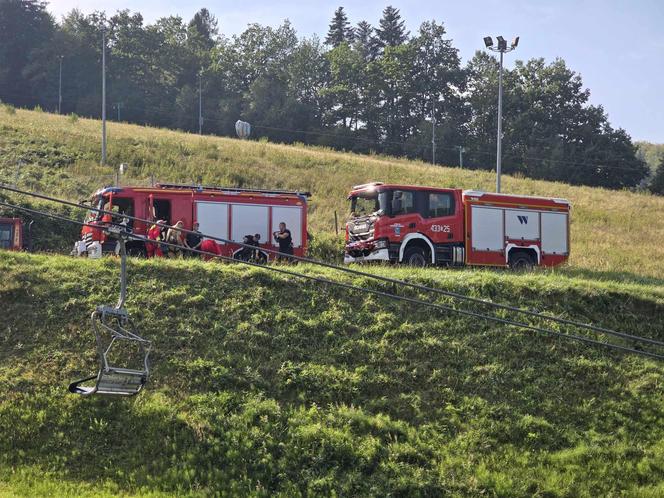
[(437, 306), (351, 271)]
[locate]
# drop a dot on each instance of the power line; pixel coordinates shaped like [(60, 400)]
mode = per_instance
[(167, 112), (369, 275), (437, 306)]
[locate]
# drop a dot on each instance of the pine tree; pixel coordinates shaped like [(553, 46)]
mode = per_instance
[(657, 183), (340, 30), (365, 41), (363, 33), (392, 31)]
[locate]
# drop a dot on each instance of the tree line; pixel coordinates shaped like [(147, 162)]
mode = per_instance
[(362, 88)]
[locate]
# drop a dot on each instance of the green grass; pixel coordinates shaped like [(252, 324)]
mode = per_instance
[(266, 387), (615, 234)]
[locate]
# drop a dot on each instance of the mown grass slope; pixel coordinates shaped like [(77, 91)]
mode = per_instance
[(263, 386), (615, 234)]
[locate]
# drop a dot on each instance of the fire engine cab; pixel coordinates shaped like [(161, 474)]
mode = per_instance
[(226, 213), (427, 226), (11, 234)]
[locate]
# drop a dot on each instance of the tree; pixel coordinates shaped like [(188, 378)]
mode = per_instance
[(25, 26), (437, 86), (657, 183), (549, 129), (343, 90), (365, 42), (202, 31), (392, 31), (340, 30)]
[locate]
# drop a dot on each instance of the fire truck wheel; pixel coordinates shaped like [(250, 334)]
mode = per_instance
[(521, 261), (415, 256)]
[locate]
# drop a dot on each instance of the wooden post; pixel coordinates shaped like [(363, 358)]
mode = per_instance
[(336, 222)]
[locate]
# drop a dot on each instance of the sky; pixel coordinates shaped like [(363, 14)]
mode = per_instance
[(616, 46)]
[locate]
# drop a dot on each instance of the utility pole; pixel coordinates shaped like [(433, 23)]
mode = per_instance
[(433, 136), (200, 102), (461, 151), (19, 164), (433, 117), (60, 88), (499, 136), (502, 48), (103, 97)]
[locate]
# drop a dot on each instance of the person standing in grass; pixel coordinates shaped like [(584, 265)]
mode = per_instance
[(210, 248), (194, 240), (155, 233), (175, 237), (285, 240)]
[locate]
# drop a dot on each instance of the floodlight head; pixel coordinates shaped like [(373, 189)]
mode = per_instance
[(515, 42), (502, 43), (488, 41)]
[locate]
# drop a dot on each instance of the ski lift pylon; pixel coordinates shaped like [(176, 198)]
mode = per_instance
[(111, 326)]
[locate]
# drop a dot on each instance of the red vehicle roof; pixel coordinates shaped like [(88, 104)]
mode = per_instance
[(479, 197), (378, 186), (201, 189)]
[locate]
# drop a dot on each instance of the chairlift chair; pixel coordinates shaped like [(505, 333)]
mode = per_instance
[(114, 322)]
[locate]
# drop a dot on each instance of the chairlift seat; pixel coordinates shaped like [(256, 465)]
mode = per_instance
[(115, 381), (112, 325)]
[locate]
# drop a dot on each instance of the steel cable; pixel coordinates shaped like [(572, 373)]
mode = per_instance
[(411, 300), (394, 281)]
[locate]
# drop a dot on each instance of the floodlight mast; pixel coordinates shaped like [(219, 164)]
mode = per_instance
[(502, 48)]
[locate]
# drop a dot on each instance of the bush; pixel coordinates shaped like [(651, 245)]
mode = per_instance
[(73, 118), (327, 247)]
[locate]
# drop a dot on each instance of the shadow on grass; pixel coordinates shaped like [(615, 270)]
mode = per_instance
[(611, 276)]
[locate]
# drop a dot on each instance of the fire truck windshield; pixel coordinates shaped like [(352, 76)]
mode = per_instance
[(96, 202), (369, 204)]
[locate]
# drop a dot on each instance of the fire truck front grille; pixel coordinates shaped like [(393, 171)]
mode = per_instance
[(357, 236), (360, 230), (87, 238)]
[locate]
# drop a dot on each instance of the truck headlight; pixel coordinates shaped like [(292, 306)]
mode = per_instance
[(381, 244)]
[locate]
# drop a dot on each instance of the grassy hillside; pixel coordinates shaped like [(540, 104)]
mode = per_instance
[(614, 234), (265, 387)]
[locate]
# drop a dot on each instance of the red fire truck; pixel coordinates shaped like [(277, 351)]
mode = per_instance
[(427, 225), (11, 234), (227, 213)]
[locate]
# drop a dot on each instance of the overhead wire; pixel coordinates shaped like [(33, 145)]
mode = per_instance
[(438, 306), (393, 281), (166, 111), (351, 271)]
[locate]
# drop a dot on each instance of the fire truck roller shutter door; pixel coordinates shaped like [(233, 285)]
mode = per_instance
[(522, 224), (487, 229), (554, 233), (249, 219), (213, 219), (292, 216)]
